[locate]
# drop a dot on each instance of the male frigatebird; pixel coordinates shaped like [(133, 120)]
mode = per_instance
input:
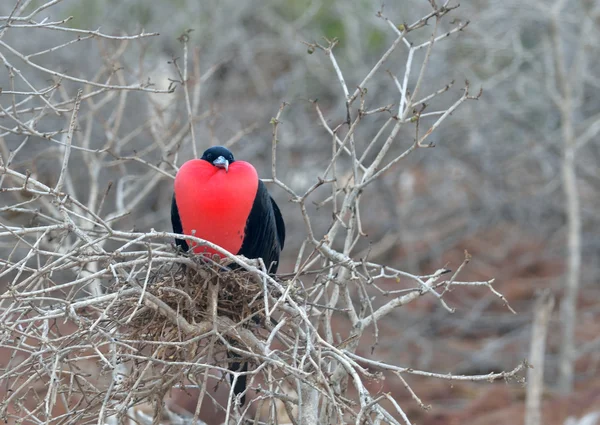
[(221, 200)]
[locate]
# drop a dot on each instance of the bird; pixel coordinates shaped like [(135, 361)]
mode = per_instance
[(220, 199)]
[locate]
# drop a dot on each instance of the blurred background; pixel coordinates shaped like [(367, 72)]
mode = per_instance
[(494, 184)]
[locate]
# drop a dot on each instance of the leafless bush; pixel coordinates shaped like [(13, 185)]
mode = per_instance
[(98, 318)]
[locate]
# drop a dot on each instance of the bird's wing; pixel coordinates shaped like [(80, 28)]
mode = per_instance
[(261, 238), (280, 224), (177, 227)]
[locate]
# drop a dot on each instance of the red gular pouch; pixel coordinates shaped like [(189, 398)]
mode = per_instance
[(214, 203)]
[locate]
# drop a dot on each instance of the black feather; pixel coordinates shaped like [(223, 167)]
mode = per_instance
[(240, 385), (280, 224), (265, 231), (177, 227)]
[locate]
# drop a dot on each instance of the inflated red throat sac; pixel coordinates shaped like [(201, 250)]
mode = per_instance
[(221, 200), (215, 203)]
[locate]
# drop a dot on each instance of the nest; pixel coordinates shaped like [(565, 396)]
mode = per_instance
[(196, 294)]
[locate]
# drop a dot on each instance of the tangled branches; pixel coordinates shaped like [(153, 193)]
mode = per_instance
[(98, 318)]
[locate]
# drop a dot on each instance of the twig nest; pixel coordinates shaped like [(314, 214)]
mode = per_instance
[(196, 293)]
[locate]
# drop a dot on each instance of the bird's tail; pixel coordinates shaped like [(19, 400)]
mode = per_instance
[(240, 384)]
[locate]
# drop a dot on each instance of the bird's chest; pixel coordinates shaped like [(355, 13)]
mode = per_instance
[(215, 206)]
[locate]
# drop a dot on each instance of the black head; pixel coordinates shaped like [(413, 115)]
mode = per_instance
[(218, 156), (213, 153)]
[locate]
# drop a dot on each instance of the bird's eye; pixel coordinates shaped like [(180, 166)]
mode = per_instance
[(209, 157)]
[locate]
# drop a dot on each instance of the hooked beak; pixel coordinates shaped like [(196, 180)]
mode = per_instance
[(221, 162)]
